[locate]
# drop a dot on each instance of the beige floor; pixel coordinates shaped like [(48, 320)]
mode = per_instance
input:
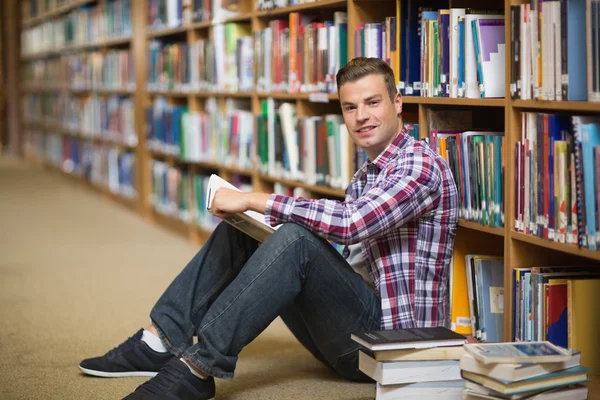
[(78, 274)]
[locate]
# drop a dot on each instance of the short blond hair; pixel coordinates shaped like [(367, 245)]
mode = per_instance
[(360, 67)]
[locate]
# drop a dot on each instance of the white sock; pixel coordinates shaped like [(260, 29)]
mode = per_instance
[(153, 342), (192, 370)]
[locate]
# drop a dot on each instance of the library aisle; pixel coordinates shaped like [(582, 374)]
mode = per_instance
[(79, 275)]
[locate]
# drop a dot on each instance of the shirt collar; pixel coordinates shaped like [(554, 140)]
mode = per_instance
[(392, 149)]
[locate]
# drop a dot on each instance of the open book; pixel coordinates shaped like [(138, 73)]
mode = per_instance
[(250, 222)]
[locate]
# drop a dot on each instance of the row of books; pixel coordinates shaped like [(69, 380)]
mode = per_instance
[(439, 363), (215, 136), (273, 4), (114, 69), (35, 8), (476, 161), (94, 116), (89, 24), (182, 195), (224, 63), (477, 296), (100, 164), (165, 14), (550, 303), (456, 52), (312, 149), (557, 188), (301, 54), (554, 50)]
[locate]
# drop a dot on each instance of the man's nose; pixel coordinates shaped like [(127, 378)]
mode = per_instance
[(361, 113)]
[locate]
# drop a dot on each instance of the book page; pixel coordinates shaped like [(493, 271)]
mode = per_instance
[(250, 222)]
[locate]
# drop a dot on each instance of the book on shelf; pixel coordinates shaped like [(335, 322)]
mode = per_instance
[(411, 338), (514, 372), (250, 222), (517, 352)]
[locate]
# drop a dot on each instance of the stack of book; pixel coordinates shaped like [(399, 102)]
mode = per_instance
[(522, 370), (419, 363)]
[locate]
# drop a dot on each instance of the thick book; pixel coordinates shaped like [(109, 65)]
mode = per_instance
[(549, 381), (515, 372), (250, 222), (394, 373), (433, 353), (517, 352), (412, 338)]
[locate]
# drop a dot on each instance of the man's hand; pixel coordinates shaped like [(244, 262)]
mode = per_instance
[(227, 201)]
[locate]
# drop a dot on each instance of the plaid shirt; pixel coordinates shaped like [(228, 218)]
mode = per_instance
[(403, 208)]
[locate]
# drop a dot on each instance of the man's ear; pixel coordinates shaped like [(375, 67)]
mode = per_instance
[(398, 103)]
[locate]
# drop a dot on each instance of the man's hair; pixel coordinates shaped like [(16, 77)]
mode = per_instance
[(360, 67)]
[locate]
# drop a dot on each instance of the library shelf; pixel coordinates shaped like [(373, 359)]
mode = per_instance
[(481, 228), (54, 13), (324, 190), (301, 7), (170, 93), (107, 91), (447, 101), (77, 47), (156, 33), (562, 247), (574, 106), (240, 95), (316, 97)]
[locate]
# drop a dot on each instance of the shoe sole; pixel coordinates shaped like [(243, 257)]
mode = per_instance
[(104, 374)]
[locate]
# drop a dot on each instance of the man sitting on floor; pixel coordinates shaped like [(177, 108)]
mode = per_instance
[(397, 223)]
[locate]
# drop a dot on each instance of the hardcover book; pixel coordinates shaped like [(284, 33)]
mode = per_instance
[(412, 338)]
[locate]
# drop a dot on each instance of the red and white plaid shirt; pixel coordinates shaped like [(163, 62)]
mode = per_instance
[(403, 208)]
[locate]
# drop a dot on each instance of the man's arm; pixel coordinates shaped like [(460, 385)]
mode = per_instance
[(227, 201)]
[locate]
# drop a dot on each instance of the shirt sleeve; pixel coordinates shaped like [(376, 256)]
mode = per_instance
[(411, 188)]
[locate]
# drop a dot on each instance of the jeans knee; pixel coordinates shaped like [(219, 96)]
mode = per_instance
[(290, 229)]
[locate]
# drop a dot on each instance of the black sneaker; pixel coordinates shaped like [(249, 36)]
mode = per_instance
[(175, 382), (131, 358)]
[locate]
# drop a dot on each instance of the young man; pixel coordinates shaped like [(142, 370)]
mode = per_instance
[(398, 223)]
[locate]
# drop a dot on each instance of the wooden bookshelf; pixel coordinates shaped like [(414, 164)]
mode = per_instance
[(519, 250)]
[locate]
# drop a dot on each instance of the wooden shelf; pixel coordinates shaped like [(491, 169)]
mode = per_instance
[(301, 7), (77, 47), (171, 222), (562, 247), (324, 190), (316, 97), (446, 101), (480, 228), (50, 14), (576, 106), (167, 32)]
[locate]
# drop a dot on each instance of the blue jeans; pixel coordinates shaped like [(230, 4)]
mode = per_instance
[(233, 289)]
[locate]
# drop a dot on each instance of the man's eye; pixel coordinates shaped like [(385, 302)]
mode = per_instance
[(373, 103), (350, 108)]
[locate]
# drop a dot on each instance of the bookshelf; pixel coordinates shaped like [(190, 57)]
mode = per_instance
[(518, 249)]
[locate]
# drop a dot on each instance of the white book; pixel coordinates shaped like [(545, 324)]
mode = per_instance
[(287, 116), (250, 222), (455, 13), (397, 372), (472, 87), (444, 390)]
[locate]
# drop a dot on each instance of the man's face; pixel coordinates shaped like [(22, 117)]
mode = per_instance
[(373, 120)]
